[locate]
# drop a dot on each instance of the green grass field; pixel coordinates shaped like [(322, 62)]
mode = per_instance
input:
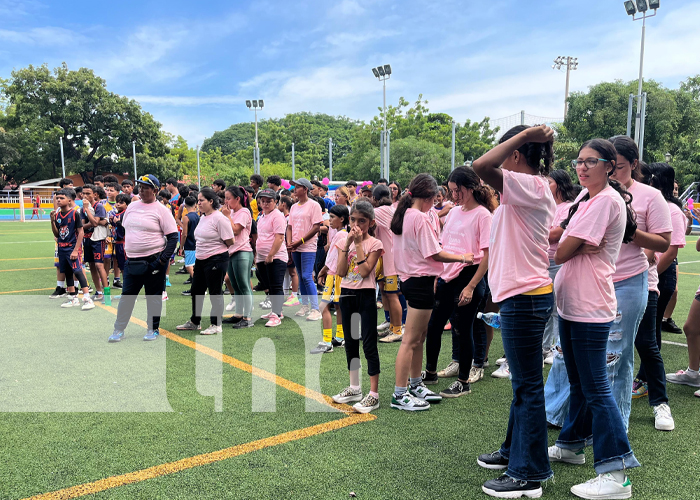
[(78, 410)]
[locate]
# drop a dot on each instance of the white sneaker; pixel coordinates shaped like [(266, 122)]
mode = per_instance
[(557, 454), (314, 315), (304, 311), (212, 330), (452, 370), (475, 374), (348, 395), (502, 372), (88, 304), (383, 326), (367, 404), (392, 337), (422, 392), (549, 358), (266, 304), (74, 301), (604, 486), (500, 361), (231, 305), (684, 377), (663, 420), (408, 402), (165, 296), (697, 394)]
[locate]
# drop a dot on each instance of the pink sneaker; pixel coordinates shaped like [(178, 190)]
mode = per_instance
[(268, 315), (273, 320)]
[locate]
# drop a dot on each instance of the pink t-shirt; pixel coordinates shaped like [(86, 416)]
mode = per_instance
[(302, 219), (653, 216), (210, 234), (518, 260), (270, 225), (354, 280), (242, 241), (383, 216), (465, 232), (584, 287), (146, 225), (414, 249), (560, 215), (679, 223), (337, 242)]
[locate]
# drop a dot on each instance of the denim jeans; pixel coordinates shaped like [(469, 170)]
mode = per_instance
[(551, 331), (593, 412), (304, 262), (239, 266), (523, 319), (479, 333), (133, 283), (632, 296)]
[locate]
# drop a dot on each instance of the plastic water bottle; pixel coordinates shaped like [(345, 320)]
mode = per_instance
[(108, 296), (491, 319)]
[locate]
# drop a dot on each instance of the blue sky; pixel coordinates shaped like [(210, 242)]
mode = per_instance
[(193, 64)]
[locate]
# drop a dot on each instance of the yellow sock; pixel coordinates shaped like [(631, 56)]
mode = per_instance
[(327, 335), (396, 329), (339, 332)]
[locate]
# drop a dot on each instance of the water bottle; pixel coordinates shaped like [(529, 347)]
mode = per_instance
[(491, 319), (108, 296)]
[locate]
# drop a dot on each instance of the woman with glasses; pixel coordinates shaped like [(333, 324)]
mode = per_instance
[(395, 189), (597, 226)]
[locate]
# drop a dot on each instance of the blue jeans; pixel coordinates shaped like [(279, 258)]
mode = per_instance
[(632, 296), (552, 329), (523, 319), (593, 411), (304, 262)]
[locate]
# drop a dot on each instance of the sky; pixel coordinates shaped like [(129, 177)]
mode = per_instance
[(193, 65)]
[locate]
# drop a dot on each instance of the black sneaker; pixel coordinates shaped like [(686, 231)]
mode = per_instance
[(429, 378), (188, 281), (507, 487), (117, 284), (58, 293), (187, 293), (492, 461), (182, 270), (456, 390), (338, 342), (259, 288), (232, 320), (226, 291), (670, 326), (244, 323)]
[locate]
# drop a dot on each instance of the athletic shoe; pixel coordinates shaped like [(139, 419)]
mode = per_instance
[(697, 394), (167, 282), (549, 357), (293, 300), (348, 395), (314, 315), (212, 330), (88, 304), (639, 389), (98, 297), (165, 296), (269, 315), (422, 392), (151, 335), (273, 320), (456, 390), (231, 320), (116, 336), (187, 293), (392, 337), (384, 326), (182, 270), (684, 377), (502, 372), (188, 281), (322, 348), (475, 374), (226, 291), (603, 486), (500, 361), (493, 461), (447, 327), (670, 326), (58, 293), (304, 311), (117, 284), (663, 420), (91, 289), (557, 454), (335, 342), (266, 304), (188, 325), (180, 261), (408, 402), (74, 301), (231, 305), (507, 487), (486, 363), (380, 334), (367, 404), (429, 378), (451, 370), (244, 323)]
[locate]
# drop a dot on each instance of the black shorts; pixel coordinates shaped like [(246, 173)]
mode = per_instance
[(119, 255), (94, 251), (419, 292), (65, 263)]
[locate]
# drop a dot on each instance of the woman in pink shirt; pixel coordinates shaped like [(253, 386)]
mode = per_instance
[(357, 263), (460, 287), (520, 284), (395, 189), (600, 222), (214, 237), (237, 209), (418, 258)]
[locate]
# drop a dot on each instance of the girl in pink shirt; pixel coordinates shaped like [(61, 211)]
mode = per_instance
[(357, 262), (418, 258), (520, 283), (600, 222)]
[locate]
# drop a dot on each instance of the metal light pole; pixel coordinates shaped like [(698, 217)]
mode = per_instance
[(199, 173), (294, 176), (255, 105), (330, 158), (453, 145), (133, 149), (571, 64), (63, 164), (383, 73)]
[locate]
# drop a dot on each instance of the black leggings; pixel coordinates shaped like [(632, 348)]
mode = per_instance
[(271, 278), (209, 275), (360, 305), (446, 306), (79, 275)]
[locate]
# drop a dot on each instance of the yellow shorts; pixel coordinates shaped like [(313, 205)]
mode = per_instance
[(379, 270), (331, 290), (109, 250), (391, 284)]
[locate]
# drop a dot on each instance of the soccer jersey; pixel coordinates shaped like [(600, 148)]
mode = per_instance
[(68, 225)]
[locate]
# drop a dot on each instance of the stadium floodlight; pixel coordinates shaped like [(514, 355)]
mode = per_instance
[(383, 73), (248, 103), (255, 103), (571, 63), (387, 69), (376, 73), (381, 70), (642, 6), (260, 101), (654, 4), (668, 157), (630, 8)]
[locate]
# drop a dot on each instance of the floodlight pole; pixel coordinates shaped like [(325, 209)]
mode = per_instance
[(453, 145), (638, 119), (63, 164), (386, 156), (133, 149), (257, 152), (330, 158), (294, 177), (566, 92), (199, 172)]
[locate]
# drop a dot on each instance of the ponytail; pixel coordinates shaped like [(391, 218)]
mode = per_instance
[(539, 156), (240, 193), (423, 186)]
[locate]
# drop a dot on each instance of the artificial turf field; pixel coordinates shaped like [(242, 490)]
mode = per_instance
[(183, 417)]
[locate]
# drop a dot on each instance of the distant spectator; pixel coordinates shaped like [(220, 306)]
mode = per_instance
[(274, 182), (219, 186), (256, 182)]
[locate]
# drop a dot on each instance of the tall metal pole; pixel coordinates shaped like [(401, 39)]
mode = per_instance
[(522, 117), (133, 149), (199, 173), (386, 156), (453, 144), (638, 119), (63, 164), (382, 170), (330, 159), (630, 106), (257, 151), (642, 123), (388, 151), (566, 93), (294, 174)]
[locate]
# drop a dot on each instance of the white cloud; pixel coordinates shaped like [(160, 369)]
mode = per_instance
[(48, 36), (188, 101), (347, 8)]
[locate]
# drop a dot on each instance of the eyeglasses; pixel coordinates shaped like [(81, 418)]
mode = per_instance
[(589, 162)]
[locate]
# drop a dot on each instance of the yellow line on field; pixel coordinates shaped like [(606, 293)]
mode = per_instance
[(25, 269), (31, 290), (689, 274), (28, 258)]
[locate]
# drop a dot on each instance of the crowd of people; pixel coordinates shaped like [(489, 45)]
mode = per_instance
[(579, 275)]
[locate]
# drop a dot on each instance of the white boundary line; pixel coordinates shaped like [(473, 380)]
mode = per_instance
[(674, 343), (36, 241)]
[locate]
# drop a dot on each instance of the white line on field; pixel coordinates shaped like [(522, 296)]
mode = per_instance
[(36, 241), (674, 343), (689, 262)]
